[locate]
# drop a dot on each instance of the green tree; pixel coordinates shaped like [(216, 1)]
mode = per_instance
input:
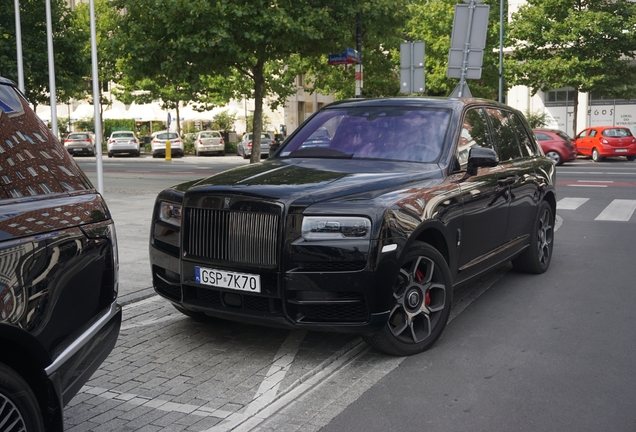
[(583, 44), (244, 45), (224, 122), (432, 22), (380, 54), (71, 64)]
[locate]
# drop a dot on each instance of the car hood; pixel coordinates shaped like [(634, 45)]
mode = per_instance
[(312, 180)]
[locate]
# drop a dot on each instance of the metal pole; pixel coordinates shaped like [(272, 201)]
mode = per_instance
[(97, 100), (359, 49), (501, 35), (412, 46), (18, 43), (462, 81), (49, 42)]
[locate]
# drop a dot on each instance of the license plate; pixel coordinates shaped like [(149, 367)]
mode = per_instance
[(621, 150), (225, 279)]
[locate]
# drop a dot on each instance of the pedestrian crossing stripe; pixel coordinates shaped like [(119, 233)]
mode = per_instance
[(571, 203), (619, 210)]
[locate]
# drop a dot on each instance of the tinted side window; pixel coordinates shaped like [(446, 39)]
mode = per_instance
[(32, 162), (526, 144), (474, 134), (582, 134), (504, 135), (593, 133), (542, 136)]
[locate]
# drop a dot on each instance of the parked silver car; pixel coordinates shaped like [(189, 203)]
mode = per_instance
[(207, 142), (123, 142), (80, 143), (244, 148)]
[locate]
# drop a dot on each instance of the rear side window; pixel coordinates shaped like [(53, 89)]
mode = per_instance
[(504, 135), (32, 161), (526, 144), (542, 137)]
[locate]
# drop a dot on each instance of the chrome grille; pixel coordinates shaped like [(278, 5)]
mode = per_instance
[(233, 236)]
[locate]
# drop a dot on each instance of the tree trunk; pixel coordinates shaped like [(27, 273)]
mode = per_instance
[(258, 112), (575, 113)]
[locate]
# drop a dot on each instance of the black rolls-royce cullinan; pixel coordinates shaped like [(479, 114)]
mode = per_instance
[(368, 231), (59, 317)]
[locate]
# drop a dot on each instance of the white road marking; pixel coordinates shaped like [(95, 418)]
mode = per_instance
[(571, 203), (619, 210), (587, 185), (595, 181)]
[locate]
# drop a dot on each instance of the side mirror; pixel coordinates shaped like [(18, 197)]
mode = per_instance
[(481, 157)]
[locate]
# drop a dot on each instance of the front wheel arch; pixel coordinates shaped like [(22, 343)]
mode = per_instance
[(420, 303)]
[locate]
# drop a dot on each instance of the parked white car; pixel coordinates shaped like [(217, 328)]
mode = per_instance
[(158, 144), (207, 142), (123, 142)]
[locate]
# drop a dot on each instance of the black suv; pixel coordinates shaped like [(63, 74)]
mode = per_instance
[(364, 220), (59, 318)]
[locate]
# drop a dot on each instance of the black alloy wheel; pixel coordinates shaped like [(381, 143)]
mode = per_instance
[(536, 258), (19, 410), (421, 304)]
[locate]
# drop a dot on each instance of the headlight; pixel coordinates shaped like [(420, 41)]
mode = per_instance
[(335, 228), (170, 213)]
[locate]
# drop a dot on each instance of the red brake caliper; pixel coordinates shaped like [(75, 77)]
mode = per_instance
[(420, 276)]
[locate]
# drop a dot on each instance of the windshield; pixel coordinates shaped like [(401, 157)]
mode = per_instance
[(392, 133), (78, 136), (210, 135), (123, 135)]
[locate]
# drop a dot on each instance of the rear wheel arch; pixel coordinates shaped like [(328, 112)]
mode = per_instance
[(27, 363)]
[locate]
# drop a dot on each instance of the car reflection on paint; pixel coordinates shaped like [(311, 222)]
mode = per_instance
[(59, 318), (369, 234)]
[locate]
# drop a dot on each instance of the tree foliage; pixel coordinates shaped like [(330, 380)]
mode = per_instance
[(382, 23), (245, 43), (583, 44), (432, 22), (71, 64)]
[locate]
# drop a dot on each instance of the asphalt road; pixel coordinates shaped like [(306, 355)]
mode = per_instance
[(523, 353)]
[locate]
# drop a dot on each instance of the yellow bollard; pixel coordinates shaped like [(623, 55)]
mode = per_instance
[(168, 151)]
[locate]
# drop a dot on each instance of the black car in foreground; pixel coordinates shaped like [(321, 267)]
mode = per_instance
[(368, 232), (59, 318)]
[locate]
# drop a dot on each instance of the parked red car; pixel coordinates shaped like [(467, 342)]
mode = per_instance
[(556, 145), (603, 141)]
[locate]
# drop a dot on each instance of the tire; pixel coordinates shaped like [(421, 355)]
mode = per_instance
[(197, 316), (19, 405), (596, 156), (421, 306), (222, 153), (110, 154), (555, 157), (631, 158), (245, 156), (536, 258)]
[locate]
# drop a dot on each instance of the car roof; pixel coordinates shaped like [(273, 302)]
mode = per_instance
[(416, 102)]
